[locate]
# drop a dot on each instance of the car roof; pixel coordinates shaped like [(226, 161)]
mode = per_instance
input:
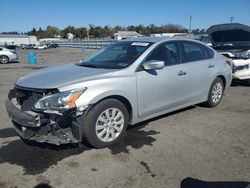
[(165, 39), (148, 39), (156, 39)]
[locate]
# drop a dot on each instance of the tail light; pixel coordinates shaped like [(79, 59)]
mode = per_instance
[(230, 62)]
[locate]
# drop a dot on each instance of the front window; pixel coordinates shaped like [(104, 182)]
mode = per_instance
[(167, 52), (116, 56)]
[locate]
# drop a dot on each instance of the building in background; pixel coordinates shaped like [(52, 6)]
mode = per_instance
[(70, 36), (126, 34), (17, 39)]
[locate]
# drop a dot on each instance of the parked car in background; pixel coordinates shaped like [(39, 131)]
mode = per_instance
[(52, 45), (233, 41), (22, 46), (10, 47), (124, 83), (205, 39), (7, 55), (40, 47), (29, 46)]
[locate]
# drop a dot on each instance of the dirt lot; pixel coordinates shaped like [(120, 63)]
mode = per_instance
[(205, 144)]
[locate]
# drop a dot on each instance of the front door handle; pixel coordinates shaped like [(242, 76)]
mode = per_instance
[(210, 66), (182, 73)]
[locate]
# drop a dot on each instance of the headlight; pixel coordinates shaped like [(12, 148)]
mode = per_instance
[(243, 55), (248, 53), (60, 101)]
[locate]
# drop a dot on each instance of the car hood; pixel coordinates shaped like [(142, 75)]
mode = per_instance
[(230, 36), (63, 75)]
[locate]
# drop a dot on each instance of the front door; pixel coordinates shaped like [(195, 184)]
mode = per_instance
[(159, 90)]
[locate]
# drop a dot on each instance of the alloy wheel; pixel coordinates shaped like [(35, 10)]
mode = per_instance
[(109, 124), (217, 92)]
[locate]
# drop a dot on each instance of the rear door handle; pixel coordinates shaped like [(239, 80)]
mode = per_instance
[(182, 73), (210, 66)]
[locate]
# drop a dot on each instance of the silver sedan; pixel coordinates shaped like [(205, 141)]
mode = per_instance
[(125, 83)]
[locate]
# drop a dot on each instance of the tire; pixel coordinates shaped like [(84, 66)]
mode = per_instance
[(99, 121), (215, 93), (4, 59), (248, 82)]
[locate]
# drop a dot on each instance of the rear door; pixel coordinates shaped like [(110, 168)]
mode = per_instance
[(199, 64)]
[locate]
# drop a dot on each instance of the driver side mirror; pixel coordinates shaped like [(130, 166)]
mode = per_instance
[(153, 65)]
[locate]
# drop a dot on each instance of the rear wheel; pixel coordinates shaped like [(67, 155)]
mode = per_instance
[(215, 93), (4, 59), (105, 123), (248, 82)]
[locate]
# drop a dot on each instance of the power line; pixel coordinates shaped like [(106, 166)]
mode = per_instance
[(231, 19)]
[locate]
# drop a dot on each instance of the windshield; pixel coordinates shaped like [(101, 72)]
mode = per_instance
[(116, 56)]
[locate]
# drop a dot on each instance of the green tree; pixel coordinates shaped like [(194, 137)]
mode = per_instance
[(33, 32), (52, 31), (40, 33), (118, 28), (107, 31), (81, 32), (172, 28), (69, 29)]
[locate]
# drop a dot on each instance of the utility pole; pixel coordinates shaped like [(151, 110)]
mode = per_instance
[(231, 19), (190, 25), (87, 33)]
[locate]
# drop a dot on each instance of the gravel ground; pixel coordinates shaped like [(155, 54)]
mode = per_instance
[(180, 148)]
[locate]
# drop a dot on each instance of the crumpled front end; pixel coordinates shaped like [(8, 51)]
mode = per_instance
[(52, 128), (233, 41)]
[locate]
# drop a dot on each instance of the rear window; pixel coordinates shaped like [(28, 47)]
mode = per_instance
[(195, 52)]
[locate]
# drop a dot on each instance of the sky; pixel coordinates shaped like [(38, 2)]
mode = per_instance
[(23, 15)]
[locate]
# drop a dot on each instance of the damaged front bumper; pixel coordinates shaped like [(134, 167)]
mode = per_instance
[(45, 128)]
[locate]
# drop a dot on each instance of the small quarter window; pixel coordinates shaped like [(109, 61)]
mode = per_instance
[(210, 53)]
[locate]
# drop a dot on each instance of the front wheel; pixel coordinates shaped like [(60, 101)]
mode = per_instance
[(105, 123), (215, 93)]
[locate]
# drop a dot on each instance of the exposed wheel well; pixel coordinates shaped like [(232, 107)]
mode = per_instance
[(122, 100), (4, 56), (223, 79)]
